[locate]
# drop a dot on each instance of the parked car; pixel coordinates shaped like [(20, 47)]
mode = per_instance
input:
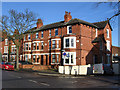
[(102, 69), (7, 66)]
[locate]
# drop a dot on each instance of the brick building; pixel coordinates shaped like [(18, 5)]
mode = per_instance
[(68, 42)]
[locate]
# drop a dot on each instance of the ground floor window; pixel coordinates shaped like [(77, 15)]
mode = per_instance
[(34, 59), (70, 58), (26, 57), (37, 59), (53, 58)]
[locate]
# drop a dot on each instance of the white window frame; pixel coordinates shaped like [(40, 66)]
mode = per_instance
[(38, 45), (42, 34), (57, 43), (96, 30), (6, 41), (5, 49), (74, 58), (29, 46), (68, 29), (29, 37), (74, 38), (108, 33), (37, 35), (108, 45)]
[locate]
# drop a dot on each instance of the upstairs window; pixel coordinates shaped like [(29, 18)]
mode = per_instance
[(57, 44), (50, 33), (34, 46), (69, 42), (42, 34), (37, 46), (69, 29), (56, 31), (36, 35), (28, 36), (53, 44), (26, 46), (6, 41), (29, 46), (107, 33)]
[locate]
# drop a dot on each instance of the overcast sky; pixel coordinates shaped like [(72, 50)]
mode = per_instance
[(51, 12)]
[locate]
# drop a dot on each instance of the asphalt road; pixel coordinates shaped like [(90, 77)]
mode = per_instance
[(11, 79)]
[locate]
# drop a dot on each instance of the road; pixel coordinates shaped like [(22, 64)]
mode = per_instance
[(12, 79)]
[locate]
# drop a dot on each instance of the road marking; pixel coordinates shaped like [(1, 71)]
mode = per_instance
[(33, 81), (45, 84), (39, 83)]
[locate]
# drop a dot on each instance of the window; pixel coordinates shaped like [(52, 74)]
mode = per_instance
[(53, 58), (49, 44), (50, 33), (53, 44), (36, 35), (26, 58), (34, 46), (28, 36), (41, 45), (69, 29), (70, 58), (57, 44), (57, 58), (69, 42), (29, 46), (107, 33), (5, 49), (56, 32), (6, 41), (101, 45), (96, 32), (72, 42), (37, 59), (108, 45), (116, 54), (26, 46), (34, 59), (42, 34), (37, 46), (29, 56)]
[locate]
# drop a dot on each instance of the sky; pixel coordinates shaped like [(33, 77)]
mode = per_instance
[(51, 12)]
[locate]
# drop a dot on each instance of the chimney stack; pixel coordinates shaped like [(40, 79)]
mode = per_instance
[(67, 16), (39, 23)]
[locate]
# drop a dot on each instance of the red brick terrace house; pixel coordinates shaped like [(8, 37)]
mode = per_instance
[(81, 42), (8, 48)]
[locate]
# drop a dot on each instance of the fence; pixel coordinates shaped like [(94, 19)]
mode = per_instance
[(76, 70)]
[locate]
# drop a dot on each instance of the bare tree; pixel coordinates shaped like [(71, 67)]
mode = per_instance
[(114, 5), (15, 25)]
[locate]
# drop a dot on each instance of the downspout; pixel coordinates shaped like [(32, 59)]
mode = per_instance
[(80, 44)]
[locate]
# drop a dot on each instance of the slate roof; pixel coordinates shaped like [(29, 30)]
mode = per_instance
[(61, 24), (101, 25)]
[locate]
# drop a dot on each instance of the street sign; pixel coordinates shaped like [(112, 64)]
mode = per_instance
[(64, 54)]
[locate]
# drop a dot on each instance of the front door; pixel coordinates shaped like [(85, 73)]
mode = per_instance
[(41, 59)]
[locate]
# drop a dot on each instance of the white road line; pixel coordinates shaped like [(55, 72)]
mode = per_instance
[(74, 81), (45, 84), (39, 83), (33, 81)]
